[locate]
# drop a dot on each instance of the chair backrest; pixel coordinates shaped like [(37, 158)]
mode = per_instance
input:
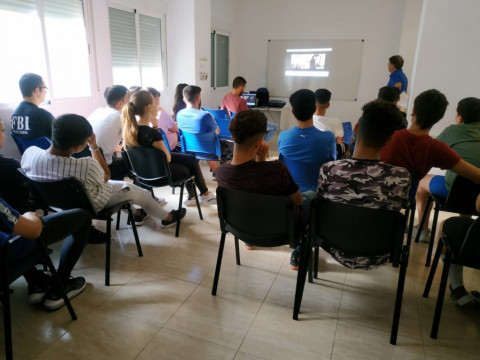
[(260, 220), (22, 144), (205, 146), (462, 195), (414, 181), (218, 113), (304, 174), (165, 139), (470, 251), (222, 118), (347, 132), (356, 230), (148, 164)]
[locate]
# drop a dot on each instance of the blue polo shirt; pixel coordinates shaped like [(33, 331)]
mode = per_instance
[(398, 77)]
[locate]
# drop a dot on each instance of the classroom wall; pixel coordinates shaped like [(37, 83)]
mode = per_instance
[(448, 53)]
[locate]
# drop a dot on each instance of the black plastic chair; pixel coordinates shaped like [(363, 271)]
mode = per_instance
[(457, 201), (357, 231), (259, 220), (69, 193), (22, 144), (467, 255), (412, 206), (150, 169), (12, 270)]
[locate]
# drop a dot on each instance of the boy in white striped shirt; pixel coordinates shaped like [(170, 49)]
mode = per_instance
[(70, 134)]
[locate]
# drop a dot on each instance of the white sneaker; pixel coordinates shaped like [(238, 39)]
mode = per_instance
[(190, 202), (424, 236), (160, 200), (209, 198)]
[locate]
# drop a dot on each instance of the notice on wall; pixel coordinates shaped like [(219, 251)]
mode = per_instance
[(203, 68)]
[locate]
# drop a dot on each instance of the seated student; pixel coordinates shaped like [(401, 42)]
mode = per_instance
[(74, 225), (415, 150), (194, 120), (324, 123), (464, 138), (364, 180), (232, 102), (28, 120), (139, 133), (178, 103), (165, 122), (248, 170), (70, 134), (456, 228)]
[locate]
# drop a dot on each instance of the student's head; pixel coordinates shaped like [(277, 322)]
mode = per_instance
[(141, 102), (178, 103), (248, 127), (377, 123), (70, 130), (239, 81), (322, 97), (116, 96), (303, 104), (191, 94), (389, 93), (156, 96), (32, 84), (2, 134), (396, 61), (429, 108), (469, 110), (134, 88)]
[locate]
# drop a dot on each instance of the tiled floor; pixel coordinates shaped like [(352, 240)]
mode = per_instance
[(160, 307)]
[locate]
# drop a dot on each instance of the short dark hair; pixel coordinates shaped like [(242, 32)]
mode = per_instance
[(190, 92), (429, 106), (114, 94), (469, 110), (28, 83), (303, 104), (396, 61), (378, 122), (389, 93), (323, 96), (153, 91), (247, 126), (70, 130), (239, 81), (134, 88)]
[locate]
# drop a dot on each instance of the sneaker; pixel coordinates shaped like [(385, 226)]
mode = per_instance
[(295, 258), (461, 296), (160, 200), (96, 236), (38, 289), (476, 295), (209, 198), (140, 218), (214, 178), (175, 215), (424, 236), (190, 202), (54, 300)]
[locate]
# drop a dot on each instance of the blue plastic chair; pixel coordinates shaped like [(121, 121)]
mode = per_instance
[(217, 113), (222, 119), (205, 146), (165, 139), (347, 132), (304, 174), (23, 144)]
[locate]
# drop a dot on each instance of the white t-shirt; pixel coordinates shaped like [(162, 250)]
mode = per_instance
[(324, 123), (107, 126), (42, 166)]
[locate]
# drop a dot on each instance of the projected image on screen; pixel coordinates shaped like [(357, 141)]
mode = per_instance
[(307, 62)]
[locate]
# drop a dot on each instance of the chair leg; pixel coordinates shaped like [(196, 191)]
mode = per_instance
[(237, 251), (197, 201), (177, 228), (441, 295), (7, 320), (424, 218), (411, 221), (399, 297), (310, 266), (219, 264), (317, 255), (305, 260), (118, 220), (432, 235), (134, 229), (107, 251), (433, 269)]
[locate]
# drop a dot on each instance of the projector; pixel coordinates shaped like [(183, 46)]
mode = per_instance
[(276, 103)]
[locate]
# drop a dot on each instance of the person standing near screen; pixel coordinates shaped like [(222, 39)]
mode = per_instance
[(398, 79)]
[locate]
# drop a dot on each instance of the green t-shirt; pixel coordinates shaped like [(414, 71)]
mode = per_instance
[(464, 139)]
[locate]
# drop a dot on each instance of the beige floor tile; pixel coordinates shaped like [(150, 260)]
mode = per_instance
[(172, 345), (245, 356), (275, 335), (223, 319)]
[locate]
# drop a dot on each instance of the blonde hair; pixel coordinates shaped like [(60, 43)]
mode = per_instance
[(136, 106)]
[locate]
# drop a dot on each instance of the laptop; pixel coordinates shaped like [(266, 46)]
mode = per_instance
[(251, 99)]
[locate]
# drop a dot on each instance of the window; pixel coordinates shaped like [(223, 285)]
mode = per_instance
[(47, 37), (220, 59), (136, 42)]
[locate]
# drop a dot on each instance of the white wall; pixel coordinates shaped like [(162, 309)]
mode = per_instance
[(448, 56)]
